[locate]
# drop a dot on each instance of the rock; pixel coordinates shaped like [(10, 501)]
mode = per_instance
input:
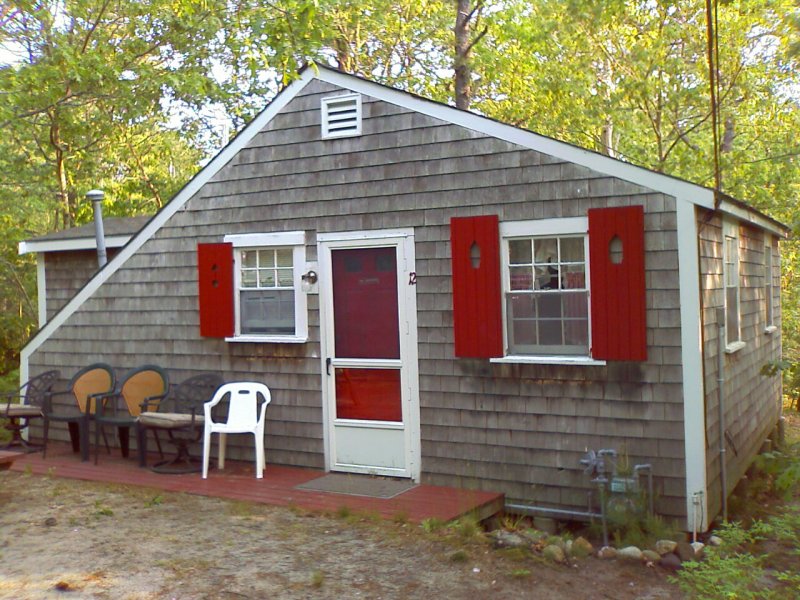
[(698, 549), (651, 556), (630, 553), (607, 552), (684, 551), (715, 540), (534, 536), (554, 553), (581, 548), (50, 521), (670, 562), (665, 547), (508, 539)]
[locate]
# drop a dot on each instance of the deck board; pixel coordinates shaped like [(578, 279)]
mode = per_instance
[(237, 482)]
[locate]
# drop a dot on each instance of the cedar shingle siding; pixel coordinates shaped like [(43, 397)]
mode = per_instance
[(516, 428)]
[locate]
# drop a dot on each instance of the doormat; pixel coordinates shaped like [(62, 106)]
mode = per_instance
[(358, 485)]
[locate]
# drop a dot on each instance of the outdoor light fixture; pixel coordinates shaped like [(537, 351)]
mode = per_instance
[(309, 279)]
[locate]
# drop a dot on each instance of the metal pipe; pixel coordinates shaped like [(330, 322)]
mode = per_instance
[(723, 466), (96, 198)]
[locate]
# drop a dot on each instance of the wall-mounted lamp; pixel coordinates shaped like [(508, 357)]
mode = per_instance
[(309, 279)]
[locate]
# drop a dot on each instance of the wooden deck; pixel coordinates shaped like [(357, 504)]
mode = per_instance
[(277, 488)]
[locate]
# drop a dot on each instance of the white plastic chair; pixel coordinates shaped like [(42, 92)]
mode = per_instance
[(244, 416)]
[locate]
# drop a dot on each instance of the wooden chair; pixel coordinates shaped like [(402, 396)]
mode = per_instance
[(84, 387), (121, 408), (180, 414), (25, 404)]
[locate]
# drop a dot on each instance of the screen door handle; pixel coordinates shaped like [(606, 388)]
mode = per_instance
[(328, 366)]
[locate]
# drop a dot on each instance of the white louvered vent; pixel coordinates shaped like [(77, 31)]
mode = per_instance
[(341, 116)]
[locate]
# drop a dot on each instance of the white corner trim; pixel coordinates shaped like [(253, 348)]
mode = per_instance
[(694, 420), (666, 184), (112, 241), (41, 290), (173, 206)]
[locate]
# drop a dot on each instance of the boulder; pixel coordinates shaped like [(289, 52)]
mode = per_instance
[(698, 549), (630, 553), (508, 539), (607, 552), (665, 547), (685, 551), (651, 556), (715, 540), (670, 562), (554, 553), (581, 547)]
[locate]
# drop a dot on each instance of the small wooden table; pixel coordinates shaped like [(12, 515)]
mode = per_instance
[(6, 458)]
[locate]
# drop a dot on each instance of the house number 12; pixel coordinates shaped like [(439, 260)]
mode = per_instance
[(412, 278)]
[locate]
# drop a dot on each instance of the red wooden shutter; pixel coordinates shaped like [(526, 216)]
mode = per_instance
[(215, 279), (477, 314), (619, 318)]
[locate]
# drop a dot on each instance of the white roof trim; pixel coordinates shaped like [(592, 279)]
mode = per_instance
[(749, 216), (173, 206), (112, 241)]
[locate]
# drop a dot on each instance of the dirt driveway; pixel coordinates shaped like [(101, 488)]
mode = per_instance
[(63, 538)]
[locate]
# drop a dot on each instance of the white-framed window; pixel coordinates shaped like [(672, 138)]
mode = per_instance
[(270, 304), (769, 285), (341, 116), (731, 279), (545, 273)]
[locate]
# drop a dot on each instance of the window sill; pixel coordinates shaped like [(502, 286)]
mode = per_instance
[(549, 360), (734, 347), (268, 339), (771, 329)]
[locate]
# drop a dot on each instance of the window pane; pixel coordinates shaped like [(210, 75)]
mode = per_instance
[(249, 279), (550, 306), (574, 278), (732, 314), (266, 258), (249, 258), (522, 306), (266, 278), (521, 278), (267, 312), (572, 250), (519, 252), (285, 277), (284, 256), (576, 333), (545, 250), (368, 394), (550, 333), (576, 305)]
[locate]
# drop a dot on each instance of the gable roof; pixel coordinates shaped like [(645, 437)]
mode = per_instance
[(681, 189), (118, 232)]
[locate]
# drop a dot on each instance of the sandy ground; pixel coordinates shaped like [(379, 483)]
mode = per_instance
[(62, 538)]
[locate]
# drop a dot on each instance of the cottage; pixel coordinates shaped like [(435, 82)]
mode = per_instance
[(434, 295)]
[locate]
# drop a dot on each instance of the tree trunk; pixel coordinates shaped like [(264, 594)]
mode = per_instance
[(463, 73)]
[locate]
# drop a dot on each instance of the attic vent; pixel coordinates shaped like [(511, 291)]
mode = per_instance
[(341, 116)]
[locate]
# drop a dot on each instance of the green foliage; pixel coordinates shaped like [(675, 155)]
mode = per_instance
[(432, 524), (782, 468), (737, 568)]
